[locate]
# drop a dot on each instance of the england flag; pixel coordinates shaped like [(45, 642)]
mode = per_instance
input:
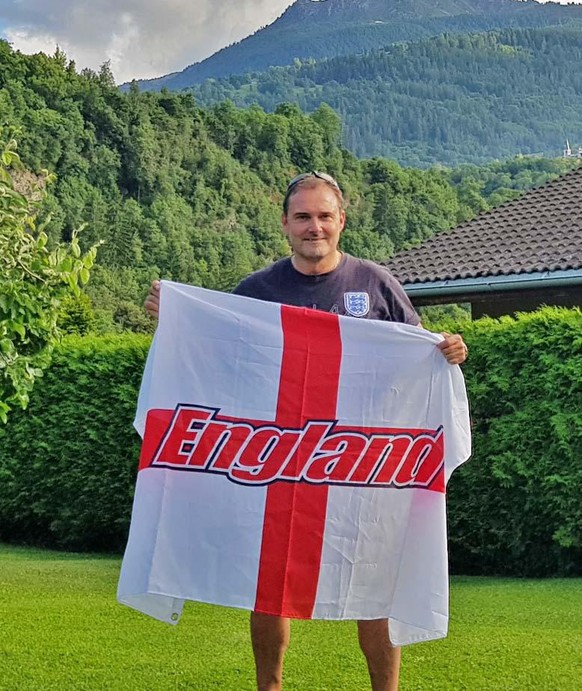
[(294, 463)]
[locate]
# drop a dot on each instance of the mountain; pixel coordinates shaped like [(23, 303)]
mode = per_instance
[(450, 99), (193, 194), (344, 27)]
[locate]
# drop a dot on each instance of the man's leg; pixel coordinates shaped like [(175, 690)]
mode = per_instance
[(382, 657), (270, 638)]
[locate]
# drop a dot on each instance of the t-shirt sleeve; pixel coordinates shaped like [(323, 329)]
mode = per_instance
[(246, 288), (400, 307)]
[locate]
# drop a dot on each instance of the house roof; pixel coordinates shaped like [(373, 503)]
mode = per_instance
[(539, 233)]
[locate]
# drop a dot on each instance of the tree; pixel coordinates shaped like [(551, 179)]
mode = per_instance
[(34, 279)]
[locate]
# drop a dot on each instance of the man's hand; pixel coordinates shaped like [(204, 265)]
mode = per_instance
[(453, 348), (152, 301)]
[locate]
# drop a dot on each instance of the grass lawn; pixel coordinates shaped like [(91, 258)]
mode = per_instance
[(61, 628)]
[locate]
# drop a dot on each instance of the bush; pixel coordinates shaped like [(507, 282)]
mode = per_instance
[(515, 508), (68, 464)]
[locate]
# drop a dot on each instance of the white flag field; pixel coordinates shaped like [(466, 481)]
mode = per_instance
[(293, 463)]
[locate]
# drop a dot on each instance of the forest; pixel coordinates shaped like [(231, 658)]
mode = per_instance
[(445, 100), (176, 190)]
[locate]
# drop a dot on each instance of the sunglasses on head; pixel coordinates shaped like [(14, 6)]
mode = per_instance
[(313, 174)]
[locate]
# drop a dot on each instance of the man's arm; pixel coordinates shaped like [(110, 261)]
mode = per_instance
[(401, 310)]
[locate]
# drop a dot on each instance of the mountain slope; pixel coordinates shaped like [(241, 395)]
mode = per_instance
[(344, 27), (449, 100)]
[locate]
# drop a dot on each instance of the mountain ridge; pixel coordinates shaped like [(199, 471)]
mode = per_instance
[(342, 27), (447, 99)]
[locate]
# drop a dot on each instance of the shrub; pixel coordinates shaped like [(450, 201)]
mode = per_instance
[(67, 464), (515, 507)]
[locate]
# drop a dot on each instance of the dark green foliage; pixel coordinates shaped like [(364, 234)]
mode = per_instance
[(67, 465), (481, 188), (447, 100), (76, 315), (187, 194), (152, 178), (441, 318), (193, 195), (515, 507)]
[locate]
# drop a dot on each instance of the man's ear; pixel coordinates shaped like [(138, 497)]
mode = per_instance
[(342, 219), (284, 223)]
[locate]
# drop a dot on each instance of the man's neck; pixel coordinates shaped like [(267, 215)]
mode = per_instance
[(316, 267)]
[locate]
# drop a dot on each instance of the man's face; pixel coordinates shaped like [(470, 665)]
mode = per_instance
[(313, 223)]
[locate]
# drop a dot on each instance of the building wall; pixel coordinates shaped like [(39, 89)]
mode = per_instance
[(499, 303)]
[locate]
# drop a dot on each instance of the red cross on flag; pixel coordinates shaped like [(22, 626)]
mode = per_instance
[(294, 463)]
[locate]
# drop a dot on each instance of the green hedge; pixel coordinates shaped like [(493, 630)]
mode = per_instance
[(516, 507), (67, 463)]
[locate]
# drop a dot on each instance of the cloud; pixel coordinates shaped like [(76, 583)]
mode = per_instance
[(141, 38)]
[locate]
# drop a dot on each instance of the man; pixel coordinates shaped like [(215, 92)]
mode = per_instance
[(318, 275)]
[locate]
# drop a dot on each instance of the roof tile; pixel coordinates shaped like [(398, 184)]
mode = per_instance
[(539, 231)]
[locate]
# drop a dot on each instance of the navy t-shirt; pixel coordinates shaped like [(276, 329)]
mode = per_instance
[(357, 287)]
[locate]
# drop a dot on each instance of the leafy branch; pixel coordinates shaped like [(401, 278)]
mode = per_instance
[(34, 280)]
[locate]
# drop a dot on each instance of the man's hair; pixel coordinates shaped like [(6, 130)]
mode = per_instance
[(308, 181)]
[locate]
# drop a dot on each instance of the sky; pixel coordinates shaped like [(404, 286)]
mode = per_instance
[(140, 38)]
